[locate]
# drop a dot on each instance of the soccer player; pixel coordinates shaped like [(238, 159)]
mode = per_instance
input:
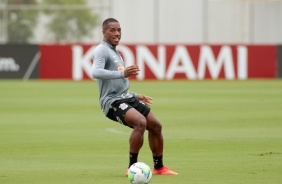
[(120, 105)]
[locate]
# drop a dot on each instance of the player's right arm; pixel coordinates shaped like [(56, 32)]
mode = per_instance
[(98, 70)]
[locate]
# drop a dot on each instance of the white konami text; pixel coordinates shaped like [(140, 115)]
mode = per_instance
[(180, 62)]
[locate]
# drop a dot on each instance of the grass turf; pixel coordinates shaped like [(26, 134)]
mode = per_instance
[(216, 132)]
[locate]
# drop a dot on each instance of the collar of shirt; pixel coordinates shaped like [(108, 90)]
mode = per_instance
[(109, 45)]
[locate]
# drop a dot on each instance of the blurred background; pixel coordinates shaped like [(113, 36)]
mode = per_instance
[(219, 126), (185, 39), (146, 21)]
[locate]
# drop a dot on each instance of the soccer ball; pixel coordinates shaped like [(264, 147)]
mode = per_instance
[(139, 173)]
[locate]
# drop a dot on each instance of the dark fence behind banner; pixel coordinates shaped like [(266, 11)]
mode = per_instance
[(19, 61), (156, 61), (279, 62)]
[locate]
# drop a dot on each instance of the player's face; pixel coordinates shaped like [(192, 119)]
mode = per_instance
[(112, 33)]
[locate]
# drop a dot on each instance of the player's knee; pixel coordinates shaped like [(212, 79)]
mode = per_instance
[(141, 124), (158, 127)]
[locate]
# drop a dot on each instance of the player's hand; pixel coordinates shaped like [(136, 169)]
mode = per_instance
[(146, 99), (131, 70)]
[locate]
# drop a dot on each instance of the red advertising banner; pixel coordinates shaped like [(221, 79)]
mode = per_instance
[(166, 62), (56, 61), (262, 61)]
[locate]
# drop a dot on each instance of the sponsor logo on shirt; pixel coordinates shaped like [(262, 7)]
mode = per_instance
[(115, 59), (124, 95)]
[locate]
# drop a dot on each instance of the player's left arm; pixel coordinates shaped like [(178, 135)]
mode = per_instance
[(146, 99)]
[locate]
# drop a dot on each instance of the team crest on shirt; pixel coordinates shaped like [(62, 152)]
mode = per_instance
[(120, 67)]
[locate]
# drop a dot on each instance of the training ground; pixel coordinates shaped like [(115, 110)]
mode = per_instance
[(216, 132)]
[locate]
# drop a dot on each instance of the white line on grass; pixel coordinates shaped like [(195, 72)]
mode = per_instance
[(115, 131)]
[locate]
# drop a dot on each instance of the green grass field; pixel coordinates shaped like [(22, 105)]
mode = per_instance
[(216, 132)]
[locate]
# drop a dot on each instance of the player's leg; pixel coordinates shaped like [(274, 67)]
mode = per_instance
[(124, 113), (136, 120), (154, 128), (156, 143), (155, 136)]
